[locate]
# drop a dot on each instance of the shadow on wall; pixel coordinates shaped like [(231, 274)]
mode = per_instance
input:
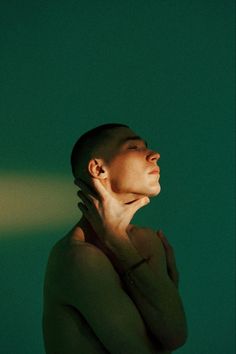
[(36, 211)]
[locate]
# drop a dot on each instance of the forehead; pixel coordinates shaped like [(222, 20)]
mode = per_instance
[(122, 135), (118, 137)]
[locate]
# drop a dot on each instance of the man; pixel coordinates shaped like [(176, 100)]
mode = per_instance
[(110, 286)]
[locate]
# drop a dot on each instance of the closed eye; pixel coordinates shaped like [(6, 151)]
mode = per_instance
[(133, 147)]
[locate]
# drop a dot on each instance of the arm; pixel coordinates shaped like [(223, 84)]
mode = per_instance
[(154, 292), (95, 290)]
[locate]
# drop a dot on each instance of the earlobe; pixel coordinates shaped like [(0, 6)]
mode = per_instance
[(103, 176)]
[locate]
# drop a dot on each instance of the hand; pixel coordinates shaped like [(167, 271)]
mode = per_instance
[(170, 259), (108, 216)]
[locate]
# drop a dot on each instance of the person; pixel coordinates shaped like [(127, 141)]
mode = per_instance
[(112, 286)]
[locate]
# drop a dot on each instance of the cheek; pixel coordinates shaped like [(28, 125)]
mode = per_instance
[(123, 172), (120, 174), (129, 181), (126, 168)]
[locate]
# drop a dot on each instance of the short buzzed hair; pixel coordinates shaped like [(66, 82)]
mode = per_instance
[(88, 145)]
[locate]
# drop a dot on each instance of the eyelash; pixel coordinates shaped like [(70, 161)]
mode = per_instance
[(135, 147)]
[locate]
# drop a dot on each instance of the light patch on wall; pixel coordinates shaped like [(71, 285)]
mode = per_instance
[(36, 201)]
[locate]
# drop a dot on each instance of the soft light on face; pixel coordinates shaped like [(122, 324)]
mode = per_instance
[(131, 164)]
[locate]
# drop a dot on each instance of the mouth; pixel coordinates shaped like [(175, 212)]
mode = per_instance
[(155, 171)]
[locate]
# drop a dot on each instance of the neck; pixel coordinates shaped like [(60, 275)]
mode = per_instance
[(126, 198), (90, 236), (88, 232)]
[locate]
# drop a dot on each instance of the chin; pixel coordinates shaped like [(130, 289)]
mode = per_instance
[(155, 191), (149, 192)]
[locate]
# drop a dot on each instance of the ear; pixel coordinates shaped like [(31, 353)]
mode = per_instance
[(96, 168)]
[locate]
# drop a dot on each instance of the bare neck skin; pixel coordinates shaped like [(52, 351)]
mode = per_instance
[(124, 197), (87, 234), (84, 230)]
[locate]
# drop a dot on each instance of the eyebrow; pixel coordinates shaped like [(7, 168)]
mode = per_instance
[(136, 137)]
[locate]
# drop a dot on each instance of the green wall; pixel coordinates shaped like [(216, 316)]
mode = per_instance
[(166, 68)]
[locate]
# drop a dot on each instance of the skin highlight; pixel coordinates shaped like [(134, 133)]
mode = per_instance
[(144, 316), (126, 175)]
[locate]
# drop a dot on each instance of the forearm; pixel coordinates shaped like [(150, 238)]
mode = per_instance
[(156, 298), (160, 306)]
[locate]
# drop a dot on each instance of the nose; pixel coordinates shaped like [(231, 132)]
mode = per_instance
[(153, 156)]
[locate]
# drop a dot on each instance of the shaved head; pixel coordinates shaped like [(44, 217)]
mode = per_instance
[(90, 145)]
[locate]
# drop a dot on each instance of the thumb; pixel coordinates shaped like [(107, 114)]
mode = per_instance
[(140, 203)]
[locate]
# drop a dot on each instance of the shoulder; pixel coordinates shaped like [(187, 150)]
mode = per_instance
[(78, 262), (76, 273), (79, 256), (87, 260)]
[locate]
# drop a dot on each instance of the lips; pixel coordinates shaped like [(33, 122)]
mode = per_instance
[(156, 170)]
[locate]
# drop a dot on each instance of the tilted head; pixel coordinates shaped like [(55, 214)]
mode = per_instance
[(118, 157)]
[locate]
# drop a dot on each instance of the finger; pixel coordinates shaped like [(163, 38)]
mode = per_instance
[(168, 249), (131, 208), (170, 259), (84, 210), (139, 203), (174, 274), (164, 240), (87, 199), (99, 188), (86, 189)]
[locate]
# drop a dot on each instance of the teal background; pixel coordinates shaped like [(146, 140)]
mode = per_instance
[(166, 68)]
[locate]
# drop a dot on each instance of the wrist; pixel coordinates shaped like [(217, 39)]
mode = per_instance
[(116, 239), (127, 274), (124, 251)]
